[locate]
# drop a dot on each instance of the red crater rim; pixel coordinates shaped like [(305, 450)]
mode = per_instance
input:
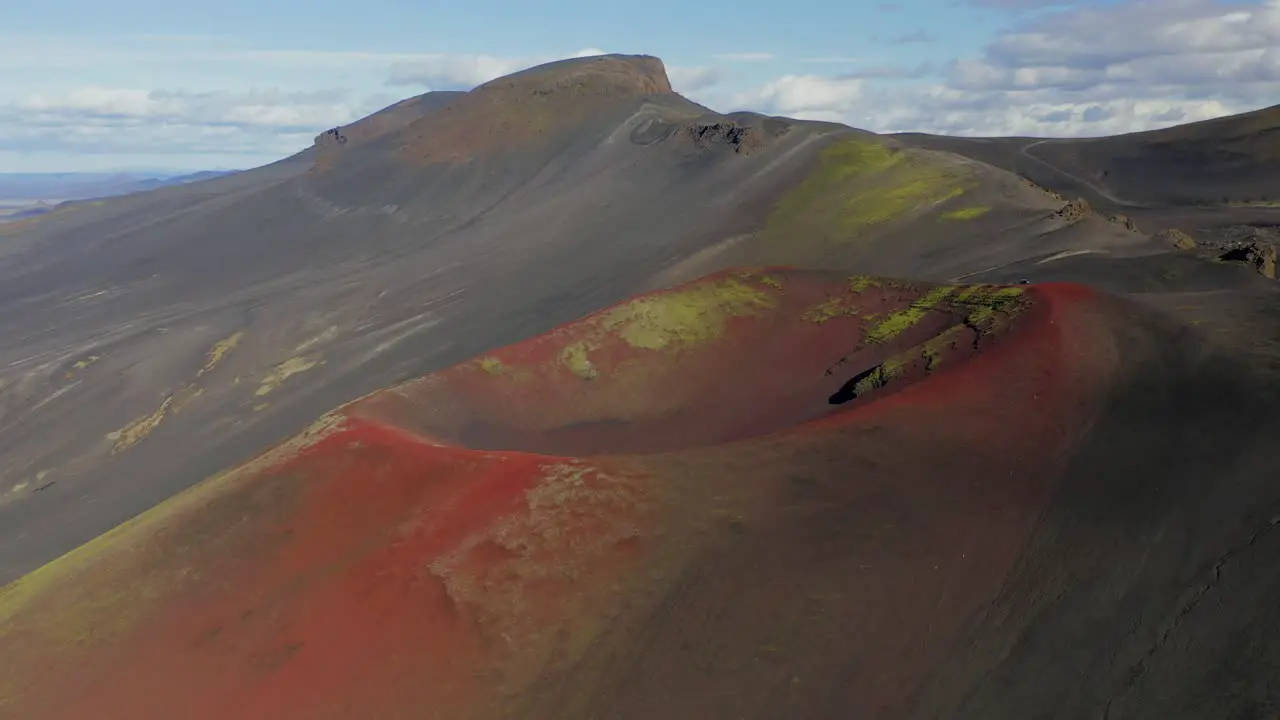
[(728, 357)]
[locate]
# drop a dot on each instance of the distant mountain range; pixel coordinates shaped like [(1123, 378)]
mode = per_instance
[(80, 186)]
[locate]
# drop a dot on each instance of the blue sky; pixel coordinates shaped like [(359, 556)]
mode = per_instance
[(86, 85), (686, 32)]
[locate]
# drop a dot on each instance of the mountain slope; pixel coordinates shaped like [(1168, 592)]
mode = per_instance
[(1198, 175), (306, 283), (769, 491)]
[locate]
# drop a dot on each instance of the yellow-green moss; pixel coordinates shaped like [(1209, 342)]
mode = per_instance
[(137, 431), (968, 213), (106, 586), (219, 351), (873, 380), (81, 365), (862, 283), (284, 371), (829, 310), (492, 365), (574, 356), (934, 349), (672, 320), (931, 352), (857, 185), (902, 320), (984, 303), (686, 316), (82, 596)]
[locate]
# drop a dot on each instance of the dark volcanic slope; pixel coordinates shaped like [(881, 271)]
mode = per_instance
[(1197, 175), (152, 340), (771, 492)]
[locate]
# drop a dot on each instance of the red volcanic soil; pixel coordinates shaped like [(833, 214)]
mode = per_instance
[(656, 511)]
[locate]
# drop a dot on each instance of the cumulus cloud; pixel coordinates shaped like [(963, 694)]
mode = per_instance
[(687, 80), (807, 97), (129, 122), (266, 108), (202, 101), (1079, 71), (93, 121)]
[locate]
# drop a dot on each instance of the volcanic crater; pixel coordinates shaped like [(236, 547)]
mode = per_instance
[(728, 357)]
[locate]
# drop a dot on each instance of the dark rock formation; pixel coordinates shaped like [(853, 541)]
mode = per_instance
[(1255, 252)]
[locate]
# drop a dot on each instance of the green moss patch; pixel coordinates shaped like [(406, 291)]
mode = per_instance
[(969, 213), (686, 316), (986, 304), (674, 320), (899, 322), (830, 309), (859, 185)]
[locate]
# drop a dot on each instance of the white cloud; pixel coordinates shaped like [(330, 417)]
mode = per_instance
[(687, 80), (1097, 70), (119, 106), (807, 97), (62, 105)]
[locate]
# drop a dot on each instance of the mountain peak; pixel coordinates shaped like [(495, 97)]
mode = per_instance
[(611, 75), (534, 107)]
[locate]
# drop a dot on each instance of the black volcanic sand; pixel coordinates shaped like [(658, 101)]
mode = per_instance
[(1144, 591)]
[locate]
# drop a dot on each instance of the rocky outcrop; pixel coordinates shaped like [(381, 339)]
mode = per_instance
[(330, 138), (1176, 238), (1256, 252), (1074, 211), (1126, 221), (328, 144), (706, 136)]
